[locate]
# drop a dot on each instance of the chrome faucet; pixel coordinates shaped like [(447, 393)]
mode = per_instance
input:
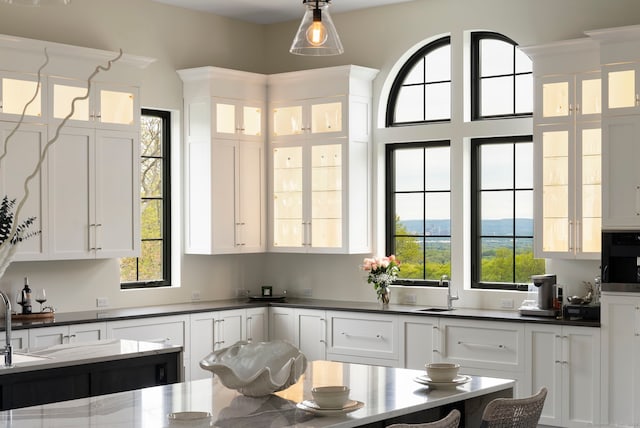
[(450, 297), (8, 351)]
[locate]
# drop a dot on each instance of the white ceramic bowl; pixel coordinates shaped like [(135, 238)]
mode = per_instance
[(330, 397), (442, 372), (257, 369)]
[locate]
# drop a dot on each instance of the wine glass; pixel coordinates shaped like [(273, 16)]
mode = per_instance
[(41, 297)]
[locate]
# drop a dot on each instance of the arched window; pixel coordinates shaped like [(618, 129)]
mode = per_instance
[(501, 78), (421, 91)]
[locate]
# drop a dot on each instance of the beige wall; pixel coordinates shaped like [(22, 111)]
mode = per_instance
[(179, 38)]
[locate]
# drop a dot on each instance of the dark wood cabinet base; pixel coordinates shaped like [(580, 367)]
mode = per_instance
[(66, 383)]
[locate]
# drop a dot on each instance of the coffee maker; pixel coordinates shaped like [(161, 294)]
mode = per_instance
[(546, 287)]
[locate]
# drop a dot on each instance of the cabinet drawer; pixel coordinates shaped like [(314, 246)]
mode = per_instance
[(167, 330), (363, 335), (491, 345)]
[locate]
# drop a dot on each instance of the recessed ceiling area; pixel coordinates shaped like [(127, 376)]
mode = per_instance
[(269, 11)]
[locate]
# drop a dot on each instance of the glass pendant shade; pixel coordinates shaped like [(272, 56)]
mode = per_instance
[(316, 36)]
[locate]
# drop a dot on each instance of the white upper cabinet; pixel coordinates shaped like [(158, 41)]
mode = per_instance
[(225, 161), (320, 157), (20, 90), (22, 155), (620, 61), (567, 149), (106, 106)]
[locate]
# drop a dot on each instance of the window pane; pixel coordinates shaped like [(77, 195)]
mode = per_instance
[(438, 64), (438, 101), (410, 212), (150, 261), (410, 104), (497, 96), (497, 213), (524, 93), (524, 213), (438, 256), (151, 136), (526, 265), (409, 174), (496, 166), (523, 62), (524, 165), (409, 252), (128, 269), (438, 213), (496, 57), (497, 260), (151, 212), (438, 168), (151, 178), (416, 75)]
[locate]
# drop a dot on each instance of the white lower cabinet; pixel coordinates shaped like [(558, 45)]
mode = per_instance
[(310, 327), (169, 330), (620, 320), (419, 341), (362, 338), (19, 339), (485, 348), (211, 331), (57, 335), (565, 360), (281, 324)]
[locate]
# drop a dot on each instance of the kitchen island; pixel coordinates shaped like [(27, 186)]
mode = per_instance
[(77, 370), (387, 395)]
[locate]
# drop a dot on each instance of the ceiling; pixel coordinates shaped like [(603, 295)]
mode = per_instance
[(269, 11)]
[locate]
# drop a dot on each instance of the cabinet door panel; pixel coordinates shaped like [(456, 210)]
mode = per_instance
[(230, 328), (419, 342), (117, 194), (310, 334), (22, 155), (48, 336), (202, 337), (71, 195), (223, 199), (250, 193), (87, 332)]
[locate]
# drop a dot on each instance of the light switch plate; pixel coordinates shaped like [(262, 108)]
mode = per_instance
[(102, 302), (506, 303)]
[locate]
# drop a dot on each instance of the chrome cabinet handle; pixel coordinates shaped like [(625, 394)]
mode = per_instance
[(484, 345)]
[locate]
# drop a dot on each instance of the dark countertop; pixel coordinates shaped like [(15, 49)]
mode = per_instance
[(332, 305)]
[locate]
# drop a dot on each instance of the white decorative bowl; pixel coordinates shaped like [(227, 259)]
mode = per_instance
[(257, 369), (442, 372)]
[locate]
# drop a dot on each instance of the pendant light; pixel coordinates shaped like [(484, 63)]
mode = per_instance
[(316, 36)]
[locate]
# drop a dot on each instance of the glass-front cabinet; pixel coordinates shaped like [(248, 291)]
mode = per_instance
[(622, 88), (234, 119), (107, 106), (18, 91), (567, 149), (307, 207), (323, 118), (320, 173), (571, 171)]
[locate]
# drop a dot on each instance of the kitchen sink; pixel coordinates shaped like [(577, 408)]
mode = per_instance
[(434, 310)]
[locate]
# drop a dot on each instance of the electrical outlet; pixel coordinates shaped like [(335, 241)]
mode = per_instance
[(195, 295), (410, 299), (102, 302), (307, 292), (506, 303)]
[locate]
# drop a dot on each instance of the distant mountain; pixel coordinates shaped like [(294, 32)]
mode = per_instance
[(501, 227)]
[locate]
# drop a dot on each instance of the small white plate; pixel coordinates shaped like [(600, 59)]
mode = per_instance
[(457, 381), (312, 406)]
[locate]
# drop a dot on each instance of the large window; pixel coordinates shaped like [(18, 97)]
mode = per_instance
[(421, 91), (502, 82), (153, 267), (418, 210), (502, 213)]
